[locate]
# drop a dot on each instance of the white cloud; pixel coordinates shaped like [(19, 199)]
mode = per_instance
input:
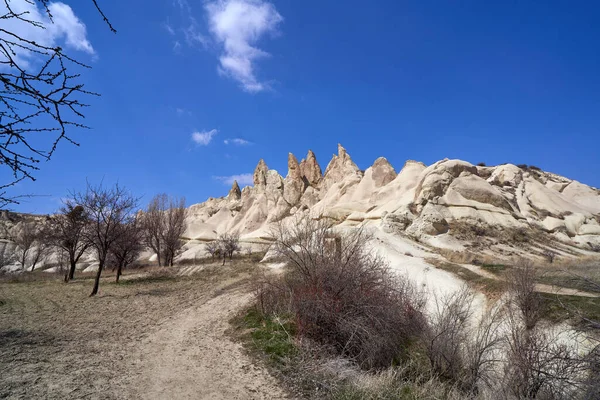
[(182, 111), (65, 28), (238, 25), (183, 5), (237, 142), (193, 37), (242, 179), (169, 29), (204, 138)]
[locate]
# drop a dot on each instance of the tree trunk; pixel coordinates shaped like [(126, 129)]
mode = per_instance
[(158, 255), (72, 269), (119, 269), (97, 281)]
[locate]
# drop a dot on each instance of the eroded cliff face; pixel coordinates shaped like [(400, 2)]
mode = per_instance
[(502, 211), (446, 203)]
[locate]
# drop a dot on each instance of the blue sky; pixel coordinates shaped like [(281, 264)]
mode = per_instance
[(197, 91)]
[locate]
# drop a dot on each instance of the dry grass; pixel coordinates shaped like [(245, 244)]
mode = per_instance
[(491, 287), (58, 343)]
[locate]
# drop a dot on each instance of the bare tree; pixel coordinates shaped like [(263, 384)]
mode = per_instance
[(41, 90), (107, 209), (25, 238), (67, 231), (213, 248), (229, 243), (175, 226), (164, 223), (128, 246), (7, 257), (39, 252)]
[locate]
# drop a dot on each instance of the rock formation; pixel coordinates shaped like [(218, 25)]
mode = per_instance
[(294, 183), (447, 201), (260, 173), (235, 193), (310, 169), (503, 210)]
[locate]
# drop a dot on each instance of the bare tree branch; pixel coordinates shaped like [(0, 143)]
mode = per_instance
[(41, 97)]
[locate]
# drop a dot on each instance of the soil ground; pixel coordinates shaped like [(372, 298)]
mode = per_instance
[(160, 334)]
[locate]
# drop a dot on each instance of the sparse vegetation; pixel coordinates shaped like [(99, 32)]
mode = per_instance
[(341, 295), (108, 210), (163, 226), (495, 268), (449, 353), (67, 233)]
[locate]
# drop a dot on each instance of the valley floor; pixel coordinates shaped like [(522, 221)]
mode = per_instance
[(155, 336)]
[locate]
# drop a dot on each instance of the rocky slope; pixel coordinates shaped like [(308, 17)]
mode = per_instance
[(502, 210), (452, 205)]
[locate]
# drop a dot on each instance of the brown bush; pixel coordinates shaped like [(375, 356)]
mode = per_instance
[(521, 285), (342, 295), (539, 365), (459, 350)]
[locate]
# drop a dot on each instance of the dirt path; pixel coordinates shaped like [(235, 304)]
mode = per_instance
[(191, 357)]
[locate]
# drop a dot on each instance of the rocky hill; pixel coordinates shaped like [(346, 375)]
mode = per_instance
[(502, 210), (499, 211)]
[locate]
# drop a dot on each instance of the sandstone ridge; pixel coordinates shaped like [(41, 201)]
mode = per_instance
[(447, 204)]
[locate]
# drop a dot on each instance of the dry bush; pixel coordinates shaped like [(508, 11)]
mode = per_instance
[(213, 248), (521, 285), (538, 364), (344, 296), (460, 351), (229, 243), (550, 255)]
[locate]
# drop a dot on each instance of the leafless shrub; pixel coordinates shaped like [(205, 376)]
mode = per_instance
[(213, 248), (521, 285), (229, 244), (31, 244), (550, 255), (460, 350), (519, 235), (539, 364), (273, 294), (344, 296), (7, 257), (592, 383)]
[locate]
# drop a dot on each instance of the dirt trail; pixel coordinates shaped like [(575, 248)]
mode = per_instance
[(192, 357)]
